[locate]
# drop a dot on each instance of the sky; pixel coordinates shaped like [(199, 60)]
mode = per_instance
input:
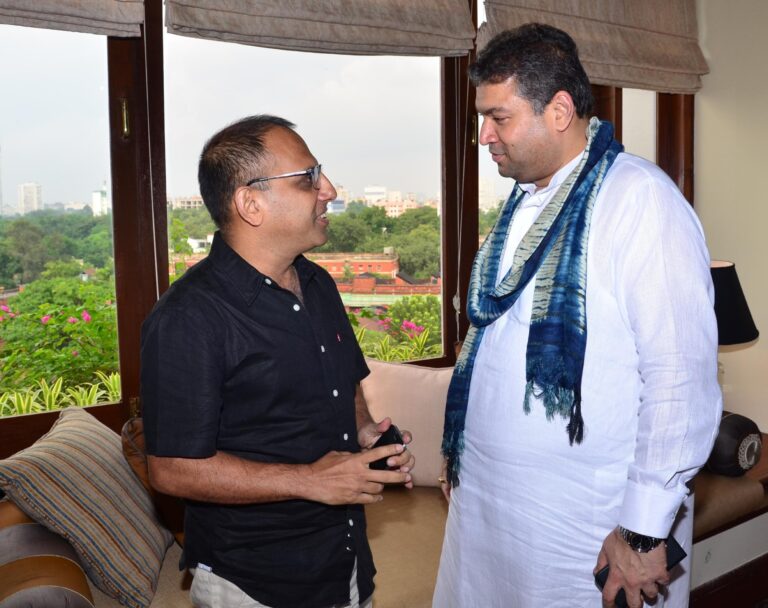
[(368, 120)]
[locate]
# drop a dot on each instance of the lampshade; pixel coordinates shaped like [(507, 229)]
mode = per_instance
[(734, 321)]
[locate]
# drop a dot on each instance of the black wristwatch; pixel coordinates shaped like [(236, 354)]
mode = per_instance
[(639, 542)]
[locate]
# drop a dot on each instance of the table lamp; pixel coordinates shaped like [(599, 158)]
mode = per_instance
[(738, 444)]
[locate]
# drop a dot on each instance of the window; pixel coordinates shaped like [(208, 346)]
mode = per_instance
[(127, 95), (58, 321), (355, 113)]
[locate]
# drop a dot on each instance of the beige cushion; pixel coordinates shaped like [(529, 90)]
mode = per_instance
[(75, 481), (414, 397)]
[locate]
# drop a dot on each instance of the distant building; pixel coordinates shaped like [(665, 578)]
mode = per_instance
[(186, 202), (337, 206), (100, 203), (342, 193), (339, 264), (198, 245), (374, 194), (396, 208), (30, 197), (74, 206)]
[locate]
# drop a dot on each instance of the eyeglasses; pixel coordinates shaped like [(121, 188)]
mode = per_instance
[(313, 172)]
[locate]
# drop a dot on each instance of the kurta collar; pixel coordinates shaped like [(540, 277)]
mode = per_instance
[(537, 198)]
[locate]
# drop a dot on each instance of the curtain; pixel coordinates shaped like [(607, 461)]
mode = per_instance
[(641, 44), (108, 17), (356, 27)]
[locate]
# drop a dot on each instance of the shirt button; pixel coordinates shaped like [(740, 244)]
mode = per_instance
[(268, 281), (322, 348), (351, 523), (346, 437), (349, 548), (335, 393), (296, 307), (349, 536)]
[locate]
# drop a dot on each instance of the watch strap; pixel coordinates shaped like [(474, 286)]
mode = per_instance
[(639, 542)]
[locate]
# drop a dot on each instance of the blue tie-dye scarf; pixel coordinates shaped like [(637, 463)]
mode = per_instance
[(555, 251)]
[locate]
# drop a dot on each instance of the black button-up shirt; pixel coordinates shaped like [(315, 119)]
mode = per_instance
[(231, 362)]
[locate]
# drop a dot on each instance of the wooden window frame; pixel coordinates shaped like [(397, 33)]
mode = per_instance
[(140, 214)]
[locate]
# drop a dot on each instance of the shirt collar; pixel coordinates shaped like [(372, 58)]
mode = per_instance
[(544, 194), (246, 278)]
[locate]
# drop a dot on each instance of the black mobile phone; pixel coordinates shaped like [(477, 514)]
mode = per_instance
[(390, 436), (675, 554)]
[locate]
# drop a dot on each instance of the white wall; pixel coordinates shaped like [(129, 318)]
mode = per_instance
[(731, 163)]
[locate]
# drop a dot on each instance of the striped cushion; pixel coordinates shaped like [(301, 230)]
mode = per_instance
[(75, 481), (38, 569)]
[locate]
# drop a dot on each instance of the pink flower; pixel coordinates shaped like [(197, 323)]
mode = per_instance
[(71, 320), (86, 316), (4, 308), (44, 319), (75, 353), (11, 314), (1, 319)]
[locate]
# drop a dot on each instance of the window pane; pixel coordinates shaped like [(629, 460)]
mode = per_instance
[(374, 124), (58, 335)]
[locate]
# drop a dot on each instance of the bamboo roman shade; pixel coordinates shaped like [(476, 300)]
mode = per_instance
[(107, 17), (641, 44), (355, 27)]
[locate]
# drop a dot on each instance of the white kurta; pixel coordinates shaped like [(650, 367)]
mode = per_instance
[(526, 524)]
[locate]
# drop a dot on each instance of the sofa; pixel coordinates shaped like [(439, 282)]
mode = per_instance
[(80, 526)]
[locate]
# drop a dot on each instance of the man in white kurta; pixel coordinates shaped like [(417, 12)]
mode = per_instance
[(532, 512)]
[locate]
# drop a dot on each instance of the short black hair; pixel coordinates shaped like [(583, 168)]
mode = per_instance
[(542, 60), (230, 158)]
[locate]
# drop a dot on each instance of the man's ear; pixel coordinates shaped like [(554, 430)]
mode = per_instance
[(249, 205), (563, 110)]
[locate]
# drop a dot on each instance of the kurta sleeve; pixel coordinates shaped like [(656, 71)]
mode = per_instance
[(663, 281)]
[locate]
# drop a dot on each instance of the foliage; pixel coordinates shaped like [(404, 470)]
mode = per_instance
[(197, 223), (424, 310), (408, 330), (27, 244), (111, 383), (58, 328), (487, 219), (49, 397), (419, 252), (413, 218)]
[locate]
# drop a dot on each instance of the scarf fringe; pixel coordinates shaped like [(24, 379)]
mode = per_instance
[(561, 401)]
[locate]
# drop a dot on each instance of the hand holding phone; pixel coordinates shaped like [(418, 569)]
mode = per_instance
[(390, 436), (675, 554)]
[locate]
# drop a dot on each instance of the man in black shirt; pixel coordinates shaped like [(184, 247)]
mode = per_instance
[(251, 390)]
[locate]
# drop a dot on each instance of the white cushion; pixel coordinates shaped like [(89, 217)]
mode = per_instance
[(414, 397)]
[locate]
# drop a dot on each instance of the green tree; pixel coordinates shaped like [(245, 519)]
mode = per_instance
[(419, 252), (58, 328), (26, 241), (96, 249), (178, 236), (413, 218), (487, 219), (377, 220), (197, 222), (10, 266), (346, 233), (62, 269)]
